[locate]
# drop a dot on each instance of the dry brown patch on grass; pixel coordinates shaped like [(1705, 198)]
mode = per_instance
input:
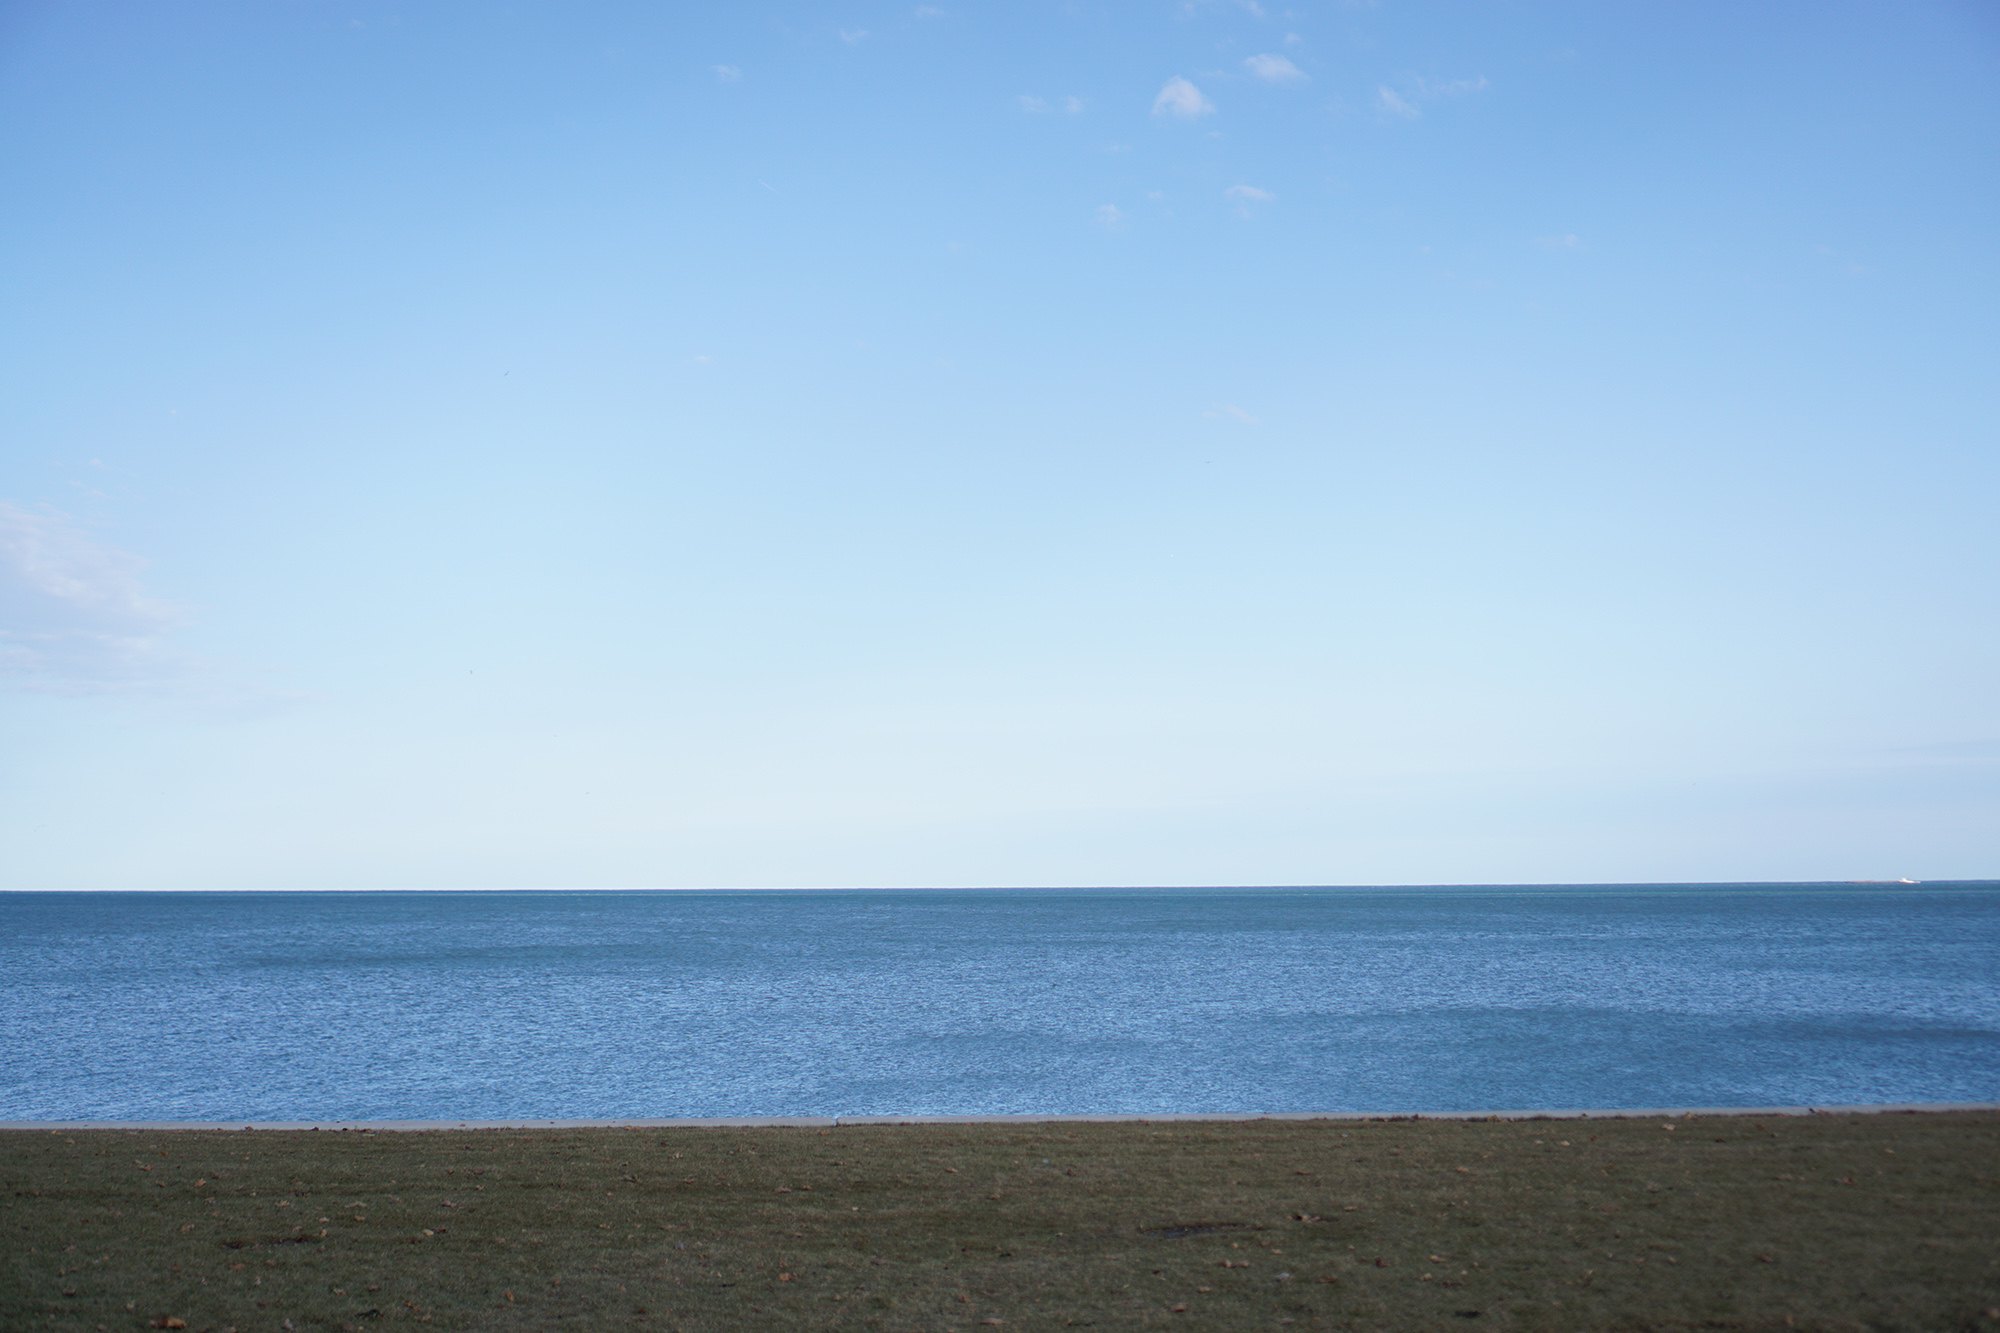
[(1824, 1222)]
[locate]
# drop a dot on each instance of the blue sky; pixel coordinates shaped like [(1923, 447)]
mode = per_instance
[(865, 444)]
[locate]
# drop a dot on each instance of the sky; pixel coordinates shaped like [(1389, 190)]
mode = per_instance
[(856, 444)]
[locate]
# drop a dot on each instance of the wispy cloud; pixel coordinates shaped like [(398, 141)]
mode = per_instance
[(1073, 105), (1426, 90), (1109, 218), (74, 618), (1249, 192), (1274, 69), (853, 36), (1565, 242), (1182, 99), (1034, 106), (1455, 88), (1194, 8), (1387, 99), (1234, 413), (929, 12), (727, 73)]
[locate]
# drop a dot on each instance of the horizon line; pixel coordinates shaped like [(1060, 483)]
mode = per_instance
[(1037, 888)]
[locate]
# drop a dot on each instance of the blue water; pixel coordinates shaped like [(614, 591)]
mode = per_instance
[(275, 1006)]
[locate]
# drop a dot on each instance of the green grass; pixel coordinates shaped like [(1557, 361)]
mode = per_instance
[(1822, 1222)]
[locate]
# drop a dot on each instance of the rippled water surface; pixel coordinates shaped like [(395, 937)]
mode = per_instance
[(268, 1006)]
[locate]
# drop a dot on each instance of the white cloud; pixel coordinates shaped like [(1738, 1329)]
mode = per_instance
[(1109, 218), (1456, 88), (1294, 40), (1568, 242), (1221, 410), (852, 35), (929, 12), (727, 74), (1249, 192), (1036, 106), (1389, 101), (73, 616), (1274, 69), (1181, 98)]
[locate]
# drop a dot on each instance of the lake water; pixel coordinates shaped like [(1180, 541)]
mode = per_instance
[(295, 1006)]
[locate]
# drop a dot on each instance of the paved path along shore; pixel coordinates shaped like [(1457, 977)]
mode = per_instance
[(836, 1122)]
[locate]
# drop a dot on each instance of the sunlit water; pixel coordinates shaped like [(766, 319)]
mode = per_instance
[(276, 1006)]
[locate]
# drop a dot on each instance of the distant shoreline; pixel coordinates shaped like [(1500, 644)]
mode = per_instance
[(849, 1121)]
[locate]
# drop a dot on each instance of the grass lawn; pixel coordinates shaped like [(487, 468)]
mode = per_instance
[(1823, 1222)]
